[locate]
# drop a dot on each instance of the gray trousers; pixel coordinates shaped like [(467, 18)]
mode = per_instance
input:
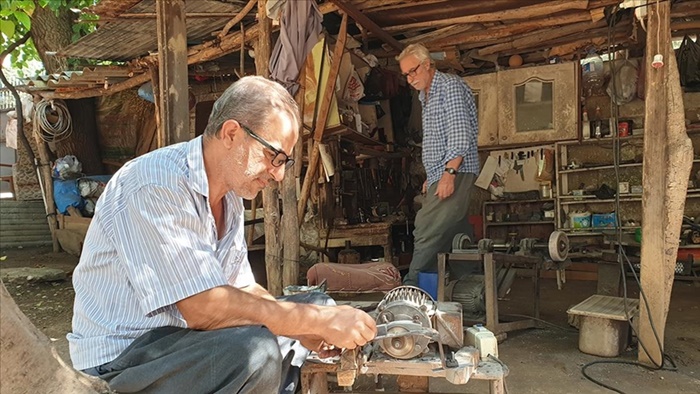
[(436, 224), (247, 359)]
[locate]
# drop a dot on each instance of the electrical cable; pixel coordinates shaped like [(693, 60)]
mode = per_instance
[(54, 120), (540, 320), (505, 371), (622, 255)]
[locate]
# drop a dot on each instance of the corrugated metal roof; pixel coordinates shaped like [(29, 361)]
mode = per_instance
[(127, 39), (112, 8), (88, 77)]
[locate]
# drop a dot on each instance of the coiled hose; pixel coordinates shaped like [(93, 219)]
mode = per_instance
[(54, 120)]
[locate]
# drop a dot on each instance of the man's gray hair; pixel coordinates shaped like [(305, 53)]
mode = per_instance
[(418, 50), (251, 101)]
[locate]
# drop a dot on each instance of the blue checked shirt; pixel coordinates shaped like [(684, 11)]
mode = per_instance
[(152, 243), (450, 126)]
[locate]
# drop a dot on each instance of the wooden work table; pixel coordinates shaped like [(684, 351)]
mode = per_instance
[(362, 234)]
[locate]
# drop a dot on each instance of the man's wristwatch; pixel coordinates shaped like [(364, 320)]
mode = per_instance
[(450, 171)]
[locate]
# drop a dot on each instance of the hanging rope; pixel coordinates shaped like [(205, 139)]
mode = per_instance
[(54, 120)]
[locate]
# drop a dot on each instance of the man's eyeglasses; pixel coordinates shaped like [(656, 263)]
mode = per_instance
[(412, 72), (280, 157)]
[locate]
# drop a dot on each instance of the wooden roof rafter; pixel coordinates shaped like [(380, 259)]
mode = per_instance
[(526, 12)]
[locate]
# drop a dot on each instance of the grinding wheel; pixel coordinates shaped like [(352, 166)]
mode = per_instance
[(461, 241), (558, 246)]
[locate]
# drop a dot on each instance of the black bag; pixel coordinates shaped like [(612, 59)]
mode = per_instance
[(688, 56)]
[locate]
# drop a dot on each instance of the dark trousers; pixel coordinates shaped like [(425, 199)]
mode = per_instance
[(247, 359), (436, 224)]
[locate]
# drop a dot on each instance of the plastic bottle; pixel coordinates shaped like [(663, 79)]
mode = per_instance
[(592, 70)]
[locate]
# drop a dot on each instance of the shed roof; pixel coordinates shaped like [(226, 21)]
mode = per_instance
[(130, 28), (474, 35)]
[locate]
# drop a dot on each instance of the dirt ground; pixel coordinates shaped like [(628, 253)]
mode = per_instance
[(544, 360)]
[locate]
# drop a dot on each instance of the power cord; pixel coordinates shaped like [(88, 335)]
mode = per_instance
[(622, 256), (505, 371), (541, 321)]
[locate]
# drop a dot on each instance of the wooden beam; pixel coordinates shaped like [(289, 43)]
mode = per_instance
[(43, 166), (322, 118), (508, 30), (685, 25), (666, 168), (173, 87), (155, 81), (540, 37), (239, 17), (440, 34), (596, 38), (273, 244), (290, 218), (367, 23), (95, 92), (526, 12)]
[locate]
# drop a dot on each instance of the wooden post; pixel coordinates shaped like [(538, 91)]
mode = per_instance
[(273, 244), (668, 155), (322, 118), (46, 181), (290, 220), (153, 72), (172, 56)]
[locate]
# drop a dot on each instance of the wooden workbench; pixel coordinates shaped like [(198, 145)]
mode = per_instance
[(314, 372), (362, 234)]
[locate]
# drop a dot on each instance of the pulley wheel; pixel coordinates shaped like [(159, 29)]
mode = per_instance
[(461, 241), (486, 245), (558, 246), (401, 347)]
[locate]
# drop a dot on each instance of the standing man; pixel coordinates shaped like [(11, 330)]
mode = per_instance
[(450, 158), (165, 299)]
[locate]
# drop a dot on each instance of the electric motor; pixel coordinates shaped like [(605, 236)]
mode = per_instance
[(403, 309)]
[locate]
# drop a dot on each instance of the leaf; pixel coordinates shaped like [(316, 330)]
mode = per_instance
[(24, 19), (7, 28)]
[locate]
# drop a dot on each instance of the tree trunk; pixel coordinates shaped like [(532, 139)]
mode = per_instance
[(82, 142), (51, 31), (29, 363)]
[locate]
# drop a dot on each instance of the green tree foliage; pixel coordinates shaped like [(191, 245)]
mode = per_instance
[(16, 20)]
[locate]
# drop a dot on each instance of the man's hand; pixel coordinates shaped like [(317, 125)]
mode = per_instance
[(346, 327), (318, 345), (445, 186)]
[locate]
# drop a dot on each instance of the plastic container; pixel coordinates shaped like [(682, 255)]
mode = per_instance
[(428, 281), (482, 339), (581, 220), (603, 219), (592, 74)]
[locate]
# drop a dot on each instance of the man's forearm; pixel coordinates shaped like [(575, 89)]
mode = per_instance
[(256, 289), (455, 163), (226, 306)]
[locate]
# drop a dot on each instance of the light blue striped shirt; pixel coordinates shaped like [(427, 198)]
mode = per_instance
[(450, 126), (152, 243)]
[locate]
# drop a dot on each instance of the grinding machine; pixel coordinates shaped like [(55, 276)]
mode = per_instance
[(415, 336)]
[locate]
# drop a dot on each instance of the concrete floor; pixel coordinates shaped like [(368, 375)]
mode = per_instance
[(547, 360)]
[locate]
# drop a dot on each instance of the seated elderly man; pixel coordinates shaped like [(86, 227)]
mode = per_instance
[(165, 299)]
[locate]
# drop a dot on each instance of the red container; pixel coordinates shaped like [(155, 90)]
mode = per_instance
[(624, 128)]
